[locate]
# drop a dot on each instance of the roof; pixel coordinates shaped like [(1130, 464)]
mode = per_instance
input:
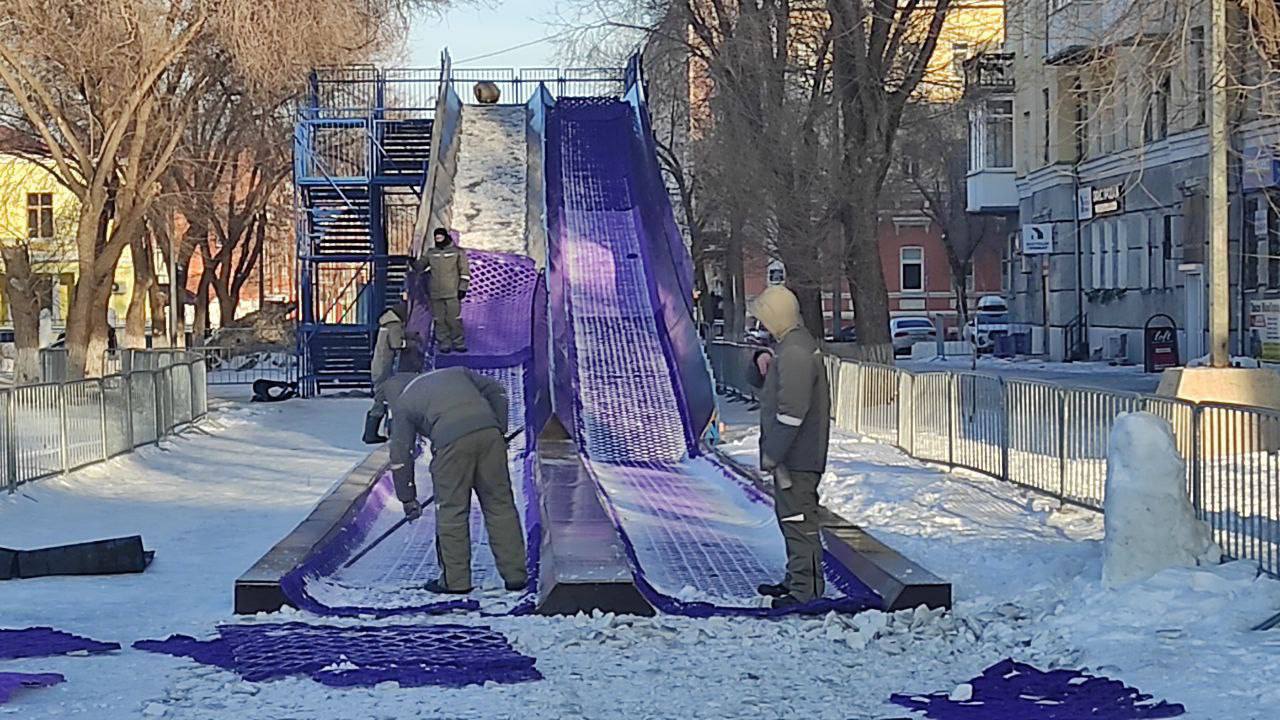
[(17, 142)]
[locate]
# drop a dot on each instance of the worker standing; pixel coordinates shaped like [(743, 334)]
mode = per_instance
[(391, 340), (464, 416), (795, 426), (447, 283)]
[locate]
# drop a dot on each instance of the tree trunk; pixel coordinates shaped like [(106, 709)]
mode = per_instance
[(135, 320), (735, 302), (201, 325), (23, 294), (866, 282), (810, 297)]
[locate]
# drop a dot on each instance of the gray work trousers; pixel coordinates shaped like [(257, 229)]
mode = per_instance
[(477, 461), (447, 315), (797, 510)]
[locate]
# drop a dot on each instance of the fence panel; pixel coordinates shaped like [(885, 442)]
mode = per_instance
[(180, 392), (83, 419), (116, 417), (199, 389), (1033, 414), (848, 413), (879, 403), (1237, 471), (164, 402), (978, 437), (931, 424), (37, 427), (1088, 416), (142, 405)]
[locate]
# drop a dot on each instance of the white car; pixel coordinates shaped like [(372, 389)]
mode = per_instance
[(984, 327), (907, 331)]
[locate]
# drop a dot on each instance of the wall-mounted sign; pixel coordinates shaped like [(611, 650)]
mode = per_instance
[(1264, 328), (1259, 167), (1107, 200), (1084, 203), (1037, 239)]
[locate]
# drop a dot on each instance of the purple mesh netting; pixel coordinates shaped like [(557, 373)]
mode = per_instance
[(11, 683), (1010, 690), (495, 313), (411, 655), (47, 642), (696, 544)]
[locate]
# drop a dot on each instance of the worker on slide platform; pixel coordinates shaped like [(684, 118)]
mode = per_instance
[(464, 416), (447, 284), (391, 343), (795, 426)]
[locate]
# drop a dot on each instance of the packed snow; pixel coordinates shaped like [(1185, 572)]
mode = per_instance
[(1027, 577), (1150, 523), (489, 186)]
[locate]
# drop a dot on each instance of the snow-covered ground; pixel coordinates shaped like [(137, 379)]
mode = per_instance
[(1026, 574), (1097, 375), (489, 187)]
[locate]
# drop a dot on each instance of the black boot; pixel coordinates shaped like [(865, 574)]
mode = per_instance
[(371, 435), (771, 589), (785, 601), (436, 585)]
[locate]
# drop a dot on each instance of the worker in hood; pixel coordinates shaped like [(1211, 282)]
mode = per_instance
[(390, 343), (448, 280), (464, 416), (795, 426)]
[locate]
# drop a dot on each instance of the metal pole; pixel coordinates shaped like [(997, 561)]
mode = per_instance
[(174, 290), (1220, 277)]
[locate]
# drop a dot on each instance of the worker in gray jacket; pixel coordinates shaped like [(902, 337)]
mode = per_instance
[(391, 340), (464, 416), (795, 426), (447, 284)]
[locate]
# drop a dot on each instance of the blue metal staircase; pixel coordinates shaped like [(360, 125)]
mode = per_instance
[(362, 147)]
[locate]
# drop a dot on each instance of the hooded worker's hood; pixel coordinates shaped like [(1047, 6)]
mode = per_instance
[(778, 310), (397, 313)]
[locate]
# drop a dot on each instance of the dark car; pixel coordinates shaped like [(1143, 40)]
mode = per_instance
[(848, 333)]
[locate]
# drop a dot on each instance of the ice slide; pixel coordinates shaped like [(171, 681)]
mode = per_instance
[(606, 331)]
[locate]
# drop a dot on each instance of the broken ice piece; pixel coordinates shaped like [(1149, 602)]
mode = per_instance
[(962, 693)]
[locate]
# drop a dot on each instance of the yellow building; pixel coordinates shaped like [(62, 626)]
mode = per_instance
[(970, 28), (36, 210)]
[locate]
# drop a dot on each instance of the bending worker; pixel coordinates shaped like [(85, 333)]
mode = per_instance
[(464, 416), (450, 276), (795, 425), (391, 341)]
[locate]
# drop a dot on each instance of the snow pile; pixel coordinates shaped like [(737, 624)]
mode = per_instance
[(489, 187), (1150, 524)]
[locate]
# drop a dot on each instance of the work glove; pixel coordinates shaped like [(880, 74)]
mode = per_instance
[(418, 265), (781, 478), (412, 510), (462, 294)]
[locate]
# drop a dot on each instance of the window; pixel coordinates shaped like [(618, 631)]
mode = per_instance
[(999, 134), (1093, 232), (1082, 120), (1200, 80), (1272, 244), (959, 54), (1155, 122), (1044, 149), (1255, 246), (912, 269), (1146, 252), (1166, 240), (40, 216), (1119, 255)]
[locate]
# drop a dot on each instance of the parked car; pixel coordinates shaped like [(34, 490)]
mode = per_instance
[(907, 331), (847, 334), (988, 323)]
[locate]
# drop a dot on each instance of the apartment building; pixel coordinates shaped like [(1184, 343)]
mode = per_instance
[(1089, 124)]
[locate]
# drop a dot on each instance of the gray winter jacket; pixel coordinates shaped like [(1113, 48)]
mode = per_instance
[(442, 406), (389, 342), (795, 406), (450, 271)]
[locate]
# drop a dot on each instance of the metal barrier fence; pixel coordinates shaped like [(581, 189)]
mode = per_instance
[(54, 428), (1054, 439)]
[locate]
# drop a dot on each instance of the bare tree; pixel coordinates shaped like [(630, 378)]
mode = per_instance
[(936, 161), (110, 87), (881, 50)]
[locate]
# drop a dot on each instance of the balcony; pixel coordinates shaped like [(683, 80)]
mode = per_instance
[(990, 182), (987, 73), (1078, 27)]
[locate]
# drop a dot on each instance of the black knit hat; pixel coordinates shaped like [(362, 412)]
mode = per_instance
[(440, 231)]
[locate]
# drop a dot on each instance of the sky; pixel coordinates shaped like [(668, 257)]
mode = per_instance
[(494, 26)]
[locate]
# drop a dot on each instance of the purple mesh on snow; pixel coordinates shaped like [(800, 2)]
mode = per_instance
[(411, 655), (11, 683), (1010, 690), (47, 642)]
